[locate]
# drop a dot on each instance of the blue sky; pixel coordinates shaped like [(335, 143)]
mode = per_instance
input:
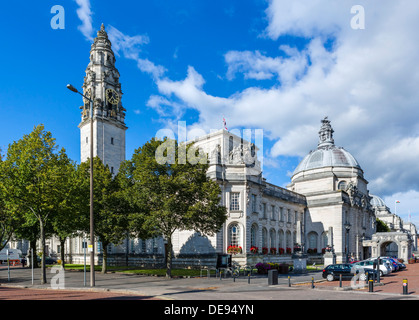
[(278, 65)]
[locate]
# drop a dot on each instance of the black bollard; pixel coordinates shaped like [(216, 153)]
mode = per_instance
[(312, 283), (340, 281), (405, 291), (371, 286), (248, 278), (289, 281)]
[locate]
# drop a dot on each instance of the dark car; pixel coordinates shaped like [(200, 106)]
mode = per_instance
[(348, 271), (48, 260)]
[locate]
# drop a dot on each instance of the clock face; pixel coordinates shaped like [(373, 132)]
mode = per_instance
[(112, 96)]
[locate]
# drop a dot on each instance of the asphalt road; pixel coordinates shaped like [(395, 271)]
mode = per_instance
[(117, 286)]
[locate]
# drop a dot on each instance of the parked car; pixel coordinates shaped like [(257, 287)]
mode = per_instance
[(347, 270), (48, 260), (389, 261), (369, 265)]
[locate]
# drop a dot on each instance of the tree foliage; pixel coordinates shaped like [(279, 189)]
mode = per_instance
[(33, 182), (170, 195), (110, 213)]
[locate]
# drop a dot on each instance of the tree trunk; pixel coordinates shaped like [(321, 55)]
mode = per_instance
[(169, 258), (105, 257), (44, 272), (62, 253)]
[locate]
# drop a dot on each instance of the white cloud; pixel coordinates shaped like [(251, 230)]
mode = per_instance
[(407, 208), (254, 65), (130, 47), (85, 15), (366, 82)]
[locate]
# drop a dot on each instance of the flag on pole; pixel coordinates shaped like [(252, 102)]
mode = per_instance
[(397, 201), (225, 123)]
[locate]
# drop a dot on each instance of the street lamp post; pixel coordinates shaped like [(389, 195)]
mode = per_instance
[(347, 227), (92, 235)]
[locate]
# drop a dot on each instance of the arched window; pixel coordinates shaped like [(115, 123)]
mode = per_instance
[(288, 239), (342, 185), (234, 234), (253, 235), (312, 240), (264, 238), (281, 239), (272, 238)]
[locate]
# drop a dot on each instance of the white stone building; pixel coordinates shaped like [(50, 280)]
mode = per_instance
[(326, 205)]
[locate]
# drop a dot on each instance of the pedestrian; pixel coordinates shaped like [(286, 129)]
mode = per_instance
[(23, 261)]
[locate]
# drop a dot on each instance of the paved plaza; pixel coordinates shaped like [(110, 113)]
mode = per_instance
[(125, 286)]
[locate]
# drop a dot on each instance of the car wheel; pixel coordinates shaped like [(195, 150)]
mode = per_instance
[(381, 273), (363, 277), (330, 277)]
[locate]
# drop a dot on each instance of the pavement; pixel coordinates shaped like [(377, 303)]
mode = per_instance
[(70, 285)]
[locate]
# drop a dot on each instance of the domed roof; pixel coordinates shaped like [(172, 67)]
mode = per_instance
[(327, 154), (377, 201)]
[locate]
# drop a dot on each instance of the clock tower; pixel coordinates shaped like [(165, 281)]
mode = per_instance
[(101, 84)]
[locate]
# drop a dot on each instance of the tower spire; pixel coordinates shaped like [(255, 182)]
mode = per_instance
[(326, 134), (102, 86)]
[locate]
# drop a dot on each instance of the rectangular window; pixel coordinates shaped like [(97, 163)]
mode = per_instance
[(111, 140), (264, 210), (234, 201), (254, 203), (273, 212)]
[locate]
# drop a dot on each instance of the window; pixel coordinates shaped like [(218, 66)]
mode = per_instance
[(234, 235), (87, 140), (273, 212), (281, 214), (234, 201), (254, 203), (272, 236), (143, 246), (342, 185), (230, 144), (312, 240), (264, 210), (112, 170), (280, 239), (264, 238), (111, 140), (253, 235)]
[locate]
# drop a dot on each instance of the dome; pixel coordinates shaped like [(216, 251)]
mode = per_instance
[(327, 154), (377, 201), (332, 157)]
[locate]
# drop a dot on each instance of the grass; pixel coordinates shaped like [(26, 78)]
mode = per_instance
[(139, 271), (160, 272)]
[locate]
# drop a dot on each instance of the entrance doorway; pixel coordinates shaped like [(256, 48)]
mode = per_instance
[(389, 249)]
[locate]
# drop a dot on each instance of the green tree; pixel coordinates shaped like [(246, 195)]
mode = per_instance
[(381, 226), (66, 221), (33, 170), (167, 193), (110, 216), (8, 216)]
